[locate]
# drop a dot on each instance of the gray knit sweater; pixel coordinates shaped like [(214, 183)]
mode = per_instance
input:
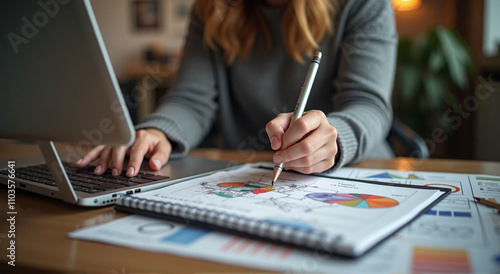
[(353, 85)]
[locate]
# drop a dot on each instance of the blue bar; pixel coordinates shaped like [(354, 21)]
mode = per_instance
[(462, 214), (186, 236), (431, 212)]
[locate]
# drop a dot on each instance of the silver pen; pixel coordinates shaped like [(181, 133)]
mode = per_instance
[(301, 103)]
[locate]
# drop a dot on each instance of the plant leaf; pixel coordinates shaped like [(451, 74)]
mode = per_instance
[(436, 61), (451, 49), (409, 81), (434, 92)]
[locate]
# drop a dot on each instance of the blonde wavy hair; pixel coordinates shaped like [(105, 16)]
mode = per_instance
[(234, 25)]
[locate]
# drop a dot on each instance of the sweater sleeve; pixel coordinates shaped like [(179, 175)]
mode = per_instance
[(366, 64), (186, 114)]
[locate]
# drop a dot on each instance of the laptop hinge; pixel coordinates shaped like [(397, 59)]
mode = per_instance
[(56, 167)]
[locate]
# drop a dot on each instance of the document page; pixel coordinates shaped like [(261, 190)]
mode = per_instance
[(353, 214), (457, 235)]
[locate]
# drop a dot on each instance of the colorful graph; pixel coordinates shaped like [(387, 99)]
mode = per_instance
[(387, 175), (254, 248), (488, 179), (256, 188), (454, 189), (435, 260), (354, 200), (186, 236), (446, 213)]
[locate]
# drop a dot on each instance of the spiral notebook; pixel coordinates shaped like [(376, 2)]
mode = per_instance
[(335, 215)]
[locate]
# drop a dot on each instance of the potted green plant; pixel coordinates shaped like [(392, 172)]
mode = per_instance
[(429, 71)]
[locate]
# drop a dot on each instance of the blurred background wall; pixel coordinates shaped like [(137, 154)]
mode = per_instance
[(475, 116)]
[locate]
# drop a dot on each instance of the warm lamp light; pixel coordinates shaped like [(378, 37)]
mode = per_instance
[(406, 5)]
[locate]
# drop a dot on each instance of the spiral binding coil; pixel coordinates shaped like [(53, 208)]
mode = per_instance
[(297, 236)]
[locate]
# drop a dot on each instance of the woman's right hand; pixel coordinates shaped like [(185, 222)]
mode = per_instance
[(149, 143)]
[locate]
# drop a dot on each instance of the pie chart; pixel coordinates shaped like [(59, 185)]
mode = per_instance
[(354, 200)]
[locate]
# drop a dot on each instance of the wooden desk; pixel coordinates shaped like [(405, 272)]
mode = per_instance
[(42, 224)]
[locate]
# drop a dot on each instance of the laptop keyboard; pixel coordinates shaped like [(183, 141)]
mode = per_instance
[(84, 179)]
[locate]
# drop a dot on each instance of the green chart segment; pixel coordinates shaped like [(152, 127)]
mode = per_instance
[(354, 200)]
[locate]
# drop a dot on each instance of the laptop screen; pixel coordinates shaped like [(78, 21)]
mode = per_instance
[(57, 80)]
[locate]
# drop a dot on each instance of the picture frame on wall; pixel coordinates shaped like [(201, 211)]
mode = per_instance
[(146, 14), (177, 15)]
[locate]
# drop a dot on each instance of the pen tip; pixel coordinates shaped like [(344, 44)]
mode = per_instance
[(477, 199), (276, 174)]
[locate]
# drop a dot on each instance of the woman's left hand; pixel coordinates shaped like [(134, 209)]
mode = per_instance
[(309, 145)]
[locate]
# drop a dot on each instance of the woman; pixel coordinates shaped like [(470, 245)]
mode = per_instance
[(247, 60)]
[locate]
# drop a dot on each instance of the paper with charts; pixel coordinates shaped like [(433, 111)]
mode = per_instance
[(457, 235), (348, 217)]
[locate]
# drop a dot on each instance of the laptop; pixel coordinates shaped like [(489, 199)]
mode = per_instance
[(58, 85)]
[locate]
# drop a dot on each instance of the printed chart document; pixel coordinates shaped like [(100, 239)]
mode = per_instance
[(335, 215), (457, 235)]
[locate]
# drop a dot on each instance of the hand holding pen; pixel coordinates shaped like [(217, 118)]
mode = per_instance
[(307, 143), (488, 202)]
